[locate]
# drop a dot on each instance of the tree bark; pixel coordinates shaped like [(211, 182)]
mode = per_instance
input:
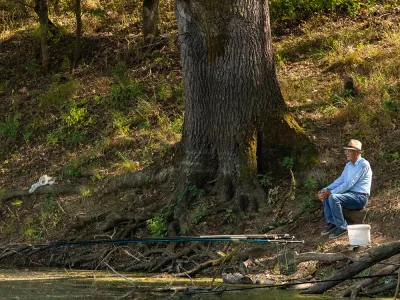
[(231, 94), (50, 25), (150, 18), (78, 33), (374, 255), (43, 18)]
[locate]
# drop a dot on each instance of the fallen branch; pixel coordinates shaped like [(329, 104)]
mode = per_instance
[(356, 288), (324, 257), (120, 275), (375, 255), (381, 289)]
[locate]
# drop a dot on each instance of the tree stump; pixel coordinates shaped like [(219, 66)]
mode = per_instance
[(355, 216)]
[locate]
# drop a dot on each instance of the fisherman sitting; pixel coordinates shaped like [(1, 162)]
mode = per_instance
[(351, 190)]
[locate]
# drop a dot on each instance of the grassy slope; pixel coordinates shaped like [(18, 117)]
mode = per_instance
[(122, 110)]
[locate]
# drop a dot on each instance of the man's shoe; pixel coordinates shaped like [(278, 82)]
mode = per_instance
[(337, 232), (328, 229)]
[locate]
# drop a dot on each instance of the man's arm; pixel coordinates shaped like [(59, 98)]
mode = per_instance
[(346, 185)]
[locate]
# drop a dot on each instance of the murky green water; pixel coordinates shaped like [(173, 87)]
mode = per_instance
[(71, 284)]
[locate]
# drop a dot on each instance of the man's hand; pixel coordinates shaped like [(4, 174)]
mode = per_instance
[(322, 195)]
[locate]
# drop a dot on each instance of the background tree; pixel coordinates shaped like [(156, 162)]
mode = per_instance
[(232, 97), (78, 33), (150, 18), (43, 19)]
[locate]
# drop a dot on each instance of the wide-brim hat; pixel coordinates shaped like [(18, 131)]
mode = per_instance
[(353, 145)]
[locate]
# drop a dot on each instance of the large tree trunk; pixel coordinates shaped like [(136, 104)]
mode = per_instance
[(231, 93), (78, 33), (43, 18), (150, 18)]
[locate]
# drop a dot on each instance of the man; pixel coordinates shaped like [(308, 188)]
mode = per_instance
[(351, 190)]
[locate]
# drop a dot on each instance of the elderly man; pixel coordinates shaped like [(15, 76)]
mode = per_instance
[(351, 190)]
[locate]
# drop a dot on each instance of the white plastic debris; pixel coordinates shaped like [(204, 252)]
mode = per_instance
[(43, 180)]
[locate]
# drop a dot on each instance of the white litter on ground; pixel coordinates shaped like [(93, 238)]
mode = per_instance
[(43, 180)]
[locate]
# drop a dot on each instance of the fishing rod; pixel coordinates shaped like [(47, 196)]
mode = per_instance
[(260, 238)]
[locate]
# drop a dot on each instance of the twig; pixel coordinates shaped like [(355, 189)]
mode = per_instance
[(120, 275), (397, 287)]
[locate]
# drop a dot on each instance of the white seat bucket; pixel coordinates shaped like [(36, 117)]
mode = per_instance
[(359, 234)]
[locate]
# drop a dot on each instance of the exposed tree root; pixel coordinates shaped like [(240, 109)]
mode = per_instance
[(43, 190)]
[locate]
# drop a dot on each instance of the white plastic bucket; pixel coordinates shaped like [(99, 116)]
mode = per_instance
[(359, 234)]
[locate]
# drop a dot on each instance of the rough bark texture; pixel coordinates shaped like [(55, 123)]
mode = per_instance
[(150, 18), (43, 18), (231, 93), (78, 33)]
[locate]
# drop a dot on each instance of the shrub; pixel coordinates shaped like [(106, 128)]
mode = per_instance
[(302, 9)]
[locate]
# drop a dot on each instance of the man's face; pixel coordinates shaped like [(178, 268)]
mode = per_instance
[(351, 155)]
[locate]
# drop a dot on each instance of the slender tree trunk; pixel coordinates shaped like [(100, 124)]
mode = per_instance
[(78, 33), (43, 18), (231, 93), (150, 18), (50, 25)]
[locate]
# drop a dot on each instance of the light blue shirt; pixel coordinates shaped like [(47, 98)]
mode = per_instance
[(355, 178)]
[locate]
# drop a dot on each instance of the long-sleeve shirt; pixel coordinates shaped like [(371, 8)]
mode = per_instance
[(355, 178)]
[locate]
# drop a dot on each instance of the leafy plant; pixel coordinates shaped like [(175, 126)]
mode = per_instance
[(310, 184), (265, 179), (288, 162), (157, 226), (9, 129), (199, 214), (229, 215)]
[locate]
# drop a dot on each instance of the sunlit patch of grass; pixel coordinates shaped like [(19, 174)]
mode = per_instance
[(85, 192)]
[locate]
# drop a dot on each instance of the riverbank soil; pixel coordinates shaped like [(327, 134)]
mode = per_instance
[(106, 133)]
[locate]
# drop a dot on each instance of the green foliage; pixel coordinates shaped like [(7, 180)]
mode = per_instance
[(265, 179), (303, 9), (32, 66), (288, 162), (390, 156), (307, 203), (49, 215), (59, 94), (200, 212), (176, 125), (76, 117), (307, 196), (164, 91), (121, 123), (9, 129), (229, 215), (157, 226), (310, 184)]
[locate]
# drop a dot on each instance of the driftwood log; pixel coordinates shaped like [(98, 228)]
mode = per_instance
[(373, 256)]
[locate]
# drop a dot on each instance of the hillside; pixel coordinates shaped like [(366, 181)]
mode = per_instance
[(121, 111)]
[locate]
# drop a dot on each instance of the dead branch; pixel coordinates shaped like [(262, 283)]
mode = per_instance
[(397, 287), (205, 265), (120, 275), (375, 255), (381, 289), (172, 257), (325, 257), (356, 288)]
